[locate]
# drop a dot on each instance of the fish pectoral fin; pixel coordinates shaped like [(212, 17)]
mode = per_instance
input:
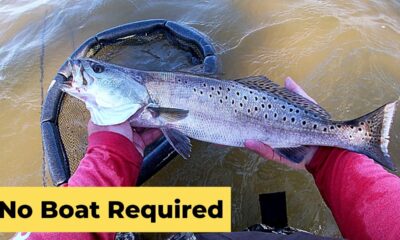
[(179, 141), (294, 154), (169, 114)]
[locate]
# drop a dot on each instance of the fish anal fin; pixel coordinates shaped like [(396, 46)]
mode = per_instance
[(294, 154), (169, 114), (179, 141)]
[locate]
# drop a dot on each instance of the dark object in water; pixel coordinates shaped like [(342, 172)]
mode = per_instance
[(273, 209)]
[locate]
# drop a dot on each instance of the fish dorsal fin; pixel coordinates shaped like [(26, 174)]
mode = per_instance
[(262, 83), (198, 70)]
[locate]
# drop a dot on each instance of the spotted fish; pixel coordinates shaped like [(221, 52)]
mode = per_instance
[(226, 112)]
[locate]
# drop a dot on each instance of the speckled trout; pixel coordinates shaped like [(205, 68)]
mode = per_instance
[(226, 112)]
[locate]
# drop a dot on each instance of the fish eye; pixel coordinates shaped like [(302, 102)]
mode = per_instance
[(97, 68)]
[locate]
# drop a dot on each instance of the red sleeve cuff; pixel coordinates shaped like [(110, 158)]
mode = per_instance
[(110, 160), (318, 159), (114, 141)]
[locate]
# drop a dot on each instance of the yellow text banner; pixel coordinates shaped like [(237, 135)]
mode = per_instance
[(115, 209)]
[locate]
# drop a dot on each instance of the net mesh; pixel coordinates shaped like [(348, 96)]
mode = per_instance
[(152, 51)]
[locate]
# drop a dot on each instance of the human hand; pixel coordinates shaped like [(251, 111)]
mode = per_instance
[(268, 153), (140, 137)]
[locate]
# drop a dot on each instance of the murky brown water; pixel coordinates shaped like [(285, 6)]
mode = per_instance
[(346, 54)]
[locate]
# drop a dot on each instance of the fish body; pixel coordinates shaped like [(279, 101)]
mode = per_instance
[(229, 112)]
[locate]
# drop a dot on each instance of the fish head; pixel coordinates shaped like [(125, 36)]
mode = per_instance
[(111, 93)]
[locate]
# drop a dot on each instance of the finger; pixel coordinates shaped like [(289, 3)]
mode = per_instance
[(138, 142), (268, 153), (150, 135), (291, 85), (264, 150)]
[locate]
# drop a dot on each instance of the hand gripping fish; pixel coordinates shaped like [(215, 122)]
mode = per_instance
[(226, 112)]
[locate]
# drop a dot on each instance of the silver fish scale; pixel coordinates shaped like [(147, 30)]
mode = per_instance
[(227, 112)]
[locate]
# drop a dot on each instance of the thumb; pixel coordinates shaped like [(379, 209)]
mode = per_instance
[(291, 85)]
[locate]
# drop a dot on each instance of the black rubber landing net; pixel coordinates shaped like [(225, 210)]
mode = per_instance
[(147, 45)]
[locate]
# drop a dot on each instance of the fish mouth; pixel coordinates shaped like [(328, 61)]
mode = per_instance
[(72, 82)]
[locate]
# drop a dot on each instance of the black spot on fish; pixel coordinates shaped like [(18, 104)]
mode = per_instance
[(212, 88), (210, 95), (266, 115), (228, 89), (205, 85), (220, 100), (293, 119), (297, 110), (275, 115), (284, 119), (290, 109), (256, 98), (218, 92), (283, 106), (362, 123), (255, 109), (194, 89), (262, 105), (332, 127), (201, 92), (245, 98), (325, 129), (339, 126), (269, 106), (226, 97), (264, 98), (241, 104), (315, 126), (360, 129), (233, 101), (220, 88), (304, 122), (248, 110)]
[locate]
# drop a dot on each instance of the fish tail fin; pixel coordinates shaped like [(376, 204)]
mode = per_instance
[(377, 126)]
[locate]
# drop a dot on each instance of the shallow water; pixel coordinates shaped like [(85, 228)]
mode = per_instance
[(344, 53)]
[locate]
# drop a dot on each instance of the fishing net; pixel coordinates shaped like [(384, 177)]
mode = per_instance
[(147, 45)]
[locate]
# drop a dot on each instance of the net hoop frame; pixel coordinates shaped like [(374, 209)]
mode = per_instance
[(162, 153)]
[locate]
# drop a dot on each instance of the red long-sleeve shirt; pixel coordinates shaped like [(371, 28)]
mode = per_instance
[(363, 197), (110, 160)]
